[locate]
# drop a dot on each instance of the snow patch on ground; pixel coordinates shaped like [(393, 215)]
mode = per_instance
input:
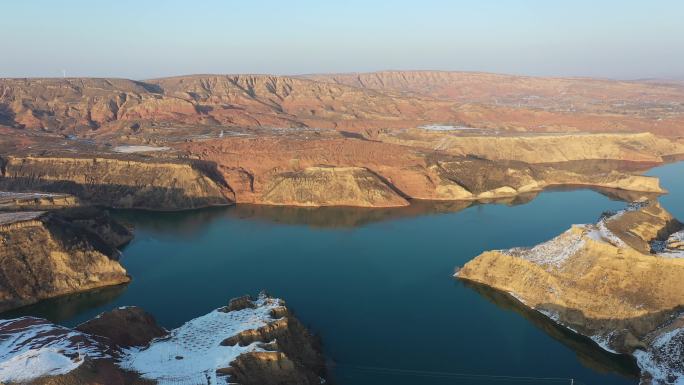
[(32, 347), (604, 234), (554, 252), (604, 341), (673, 247), (607, 235), (664, 359), (134, 149), (517, 297), (439, 127), (550, 314), (192, 353), (36, 363)]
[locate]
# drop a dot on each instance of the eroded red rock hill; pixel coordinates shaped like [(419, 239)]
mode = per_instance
[(348, 102)]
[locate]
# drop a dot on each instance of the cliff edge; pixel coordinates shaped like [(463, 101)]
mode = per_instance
[(45, 255), (117, 183)]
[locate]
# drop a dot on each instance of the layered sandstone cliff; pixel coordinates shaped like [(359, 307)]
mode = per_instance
[(288, 171), (331, 186), (540, 148), (118, 183), (478, 179), (605, 281), (48, 255), (248, 342)]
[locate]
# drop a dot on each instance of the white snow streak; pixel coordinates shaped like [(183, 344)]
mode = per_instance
[(664, 359), (134, 149), (193, 352), (31, 348)]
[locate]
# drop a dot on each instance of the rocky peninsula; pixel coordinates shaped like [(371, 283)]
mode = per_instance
[(617, 281), (48, 254), (249, 342)]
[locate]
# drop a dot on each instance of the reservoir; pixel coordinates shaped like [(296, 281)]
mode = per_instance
[(375, 284)]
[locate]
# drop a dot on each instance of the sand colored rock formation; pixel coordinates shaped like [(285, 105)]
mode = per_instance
[(260, 342), (542, 148), (48, 255), (119, 183), (602, 281), (473, 178), (331, 186)]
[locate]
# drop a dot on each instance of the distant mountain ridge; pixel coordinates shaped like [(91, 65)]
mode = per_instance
[(351, 102)]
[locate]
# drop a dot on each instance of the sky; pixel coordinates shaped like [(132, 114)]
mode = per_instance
[(143, 39)]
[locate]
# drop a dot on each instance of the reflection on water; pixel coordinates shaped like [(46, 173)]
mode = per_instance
[(588, 352), (188, 223), (64, 308)]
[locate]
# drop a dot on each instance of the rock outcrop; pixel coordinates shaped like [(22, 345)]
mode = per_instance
[(542, 148), (44, 255), (248, 342), (117, 183), (478, 179), (331, 186), (604, 281), (124, 327)]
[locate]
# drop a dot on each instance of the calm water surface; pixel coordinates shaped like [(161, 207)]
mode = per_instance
[(375, 284)]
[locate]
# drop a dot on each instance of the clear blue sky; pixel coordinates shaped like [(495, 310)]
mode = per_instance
[(146, 38)]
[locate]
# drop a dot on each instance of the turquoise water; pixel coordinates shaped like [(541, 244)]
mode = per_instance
[(375, 284)]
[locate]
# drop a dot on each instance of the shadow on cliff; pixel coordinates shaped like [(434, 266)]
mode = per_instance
[(588, 352), (7, 116), (117, 195)]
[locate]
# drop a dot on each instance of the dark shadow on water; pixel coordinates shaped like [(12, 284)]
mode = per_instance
[(64, 308), (588, 352)]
